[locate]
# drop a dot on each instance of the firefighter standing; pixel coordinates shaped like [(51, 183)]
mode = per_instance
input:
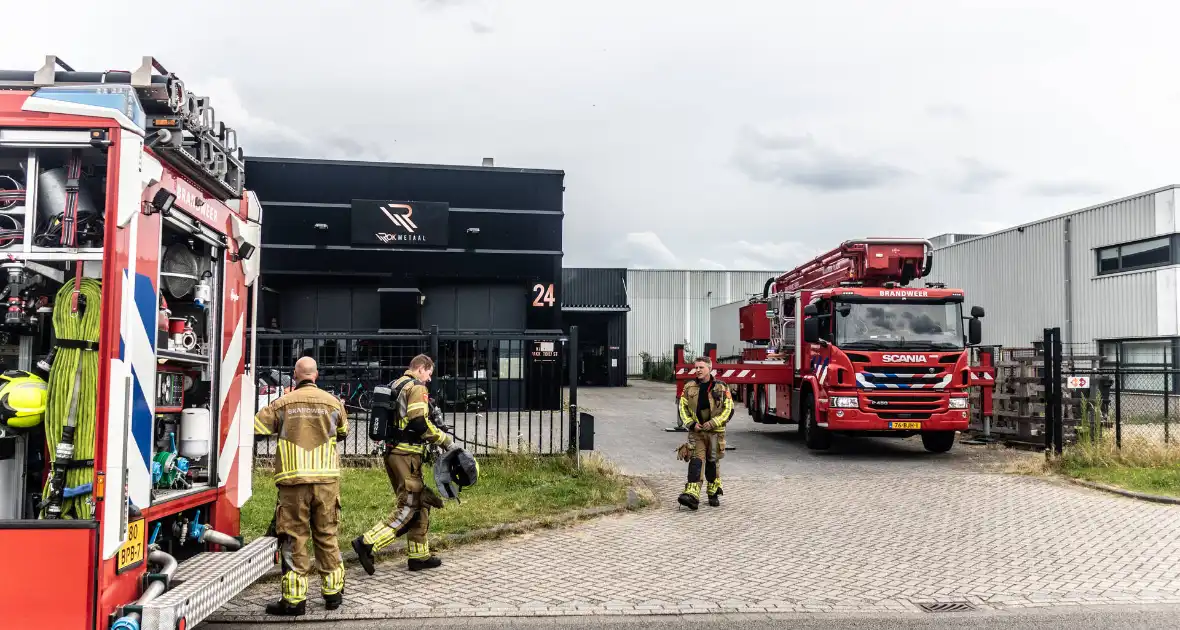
[(403, 464), (706, 405), (308, 422)]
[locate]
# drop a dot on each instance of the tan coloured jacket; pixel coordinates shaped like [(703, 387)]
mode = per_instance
[(308, 422), (720, 405)]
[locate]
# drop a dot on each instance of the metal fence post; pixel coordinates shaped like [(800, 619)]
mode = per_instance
[(1118, 396), (572, 355), (1047, 380), (1167, 394), (1059, 422)]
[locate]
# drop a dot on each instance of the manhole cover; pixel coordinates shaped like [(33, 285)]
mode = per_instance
[(948, 607)]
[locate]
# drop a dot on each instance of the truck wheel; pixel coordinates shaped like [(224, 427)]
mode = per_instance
[(815, 437), (764, 408), (756, 408), (938, 441)]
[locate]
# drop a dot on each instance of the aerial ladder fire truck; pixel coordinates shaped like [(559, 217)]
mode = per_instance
[(129, 260), (843, 344)]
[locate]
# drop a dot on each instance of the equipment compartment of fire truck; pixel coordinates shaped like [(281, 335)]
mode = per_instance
[(128, 257), (844, 344)]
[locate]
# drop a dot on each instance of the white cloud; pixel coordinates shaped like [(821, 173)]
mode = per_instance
[(862, 110)]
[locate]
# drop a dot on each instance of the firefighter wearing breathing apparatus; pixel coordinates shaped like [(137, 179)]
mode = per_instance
[(706, 405), (308, 421), (404, 420)]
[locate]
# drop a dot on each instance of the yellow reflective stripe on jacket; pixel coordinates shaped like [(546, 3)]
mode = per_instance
[(261, 429), (419, 406), (687, 416), (726, 411), (412, 449), (321, 461)]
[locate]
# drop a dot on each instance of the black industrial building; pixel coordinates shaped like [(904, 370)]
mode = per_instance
[(362, 247), (596, 301)]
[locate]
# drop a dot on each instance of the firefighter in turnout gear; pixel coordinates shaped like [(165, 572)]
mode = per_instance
[(404, 454), (706, 405), (308, 421)]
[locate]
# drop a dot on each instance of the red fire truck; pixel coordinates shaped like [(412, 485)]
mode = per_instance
[(843, 344), (129, 250)]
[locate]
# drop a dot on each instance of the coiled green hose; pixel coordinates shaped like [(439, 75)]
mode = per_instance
[(81, 326)]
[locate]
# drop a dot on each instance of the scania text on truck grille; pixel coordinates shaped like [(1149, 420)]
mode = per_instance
[(841, 345), (131, 260)]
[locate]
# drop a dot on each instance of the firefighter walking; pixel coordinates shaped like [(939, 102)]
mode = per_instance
[(308, 421), (706, 405), (405, 448)]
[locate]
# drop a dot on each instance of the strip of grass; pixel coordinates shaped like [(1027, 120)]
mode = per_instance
[(511, 488), (1158, 481), (1144, 465)]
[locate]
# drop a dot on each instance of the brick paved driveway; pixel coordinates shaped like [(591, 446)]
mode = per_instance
[(872, 526)]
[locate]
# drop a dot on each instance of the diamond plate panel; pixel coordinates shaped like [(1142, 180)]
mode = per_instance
[(210, 580)]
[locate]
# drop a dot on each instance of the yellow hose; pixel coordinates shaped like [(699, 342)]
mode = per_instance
[(83, 326)]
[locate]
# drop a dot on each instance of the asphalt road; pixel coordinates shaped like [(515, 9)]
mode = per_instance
[(1066, 618)]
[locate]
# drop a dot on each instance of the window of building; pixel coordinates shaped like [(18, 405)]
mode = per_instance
[(1155, 252)]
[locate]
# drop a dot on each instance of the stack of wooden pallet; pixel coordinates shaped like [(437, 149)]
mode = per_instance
[(1019, 403)]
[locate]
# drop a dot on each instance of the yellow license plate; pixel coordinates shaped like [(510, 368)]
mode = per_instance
[(131, 553), (905, 425)]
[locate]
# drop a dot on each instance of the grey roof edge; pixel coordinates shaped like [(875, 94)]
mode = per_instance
[(1096, 206), (445, 167)]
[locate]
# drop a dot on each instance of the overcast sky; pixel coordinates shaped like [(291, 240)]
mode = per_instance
[(741, 135)]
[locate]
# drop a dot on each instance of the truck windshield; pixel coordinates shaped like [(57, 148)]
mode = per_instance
[(881, 325)]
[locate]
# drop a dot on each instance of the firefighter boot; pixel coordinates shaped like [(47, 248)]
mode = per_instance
[(417, 564), (333, 601), (284, 608), (364, 553), (714, 485), (691, 497)]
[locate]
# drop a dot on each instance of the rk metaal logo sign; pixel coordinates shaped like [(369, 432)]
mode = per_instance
[(400, 223)]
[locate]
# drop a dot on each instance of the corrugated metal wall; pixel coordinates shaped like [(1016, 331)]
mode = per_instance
[(672, 306), (593, 287), (1122, 305), (1019, 276)]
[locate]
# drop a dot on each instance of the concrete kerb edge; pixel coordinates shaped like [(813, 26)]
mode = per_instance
[(518, 527), (1153, 498)]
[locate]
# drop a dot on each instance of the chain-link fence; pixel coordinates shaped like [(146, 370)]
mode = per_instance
[(1120, 390), (497, 392)]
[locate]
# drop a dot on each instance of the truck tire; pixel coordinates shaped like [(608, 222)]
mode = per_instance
[(815, 437), (756, 408), (764, 408), (938, 441)]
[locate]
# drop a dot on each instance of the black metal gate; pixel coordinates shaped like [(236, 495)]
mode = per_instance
[(500, 393), (1102, 397)]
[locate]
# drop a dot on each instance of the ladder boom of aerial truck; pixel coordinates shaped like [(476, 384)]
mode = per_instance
[(844, 344), (129, 257)]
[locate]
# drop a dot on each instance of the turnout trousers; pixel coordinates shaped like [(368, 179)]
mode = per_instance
[(309, 511), (707, 448), (411, 515)]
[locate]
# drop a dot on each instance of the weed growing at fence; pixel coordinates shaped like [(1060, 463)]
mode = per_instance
[(511, 488), (661, 369)]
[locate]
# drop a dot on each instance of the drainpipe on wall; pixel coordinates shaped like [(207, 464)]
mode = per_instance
[(688, 308)]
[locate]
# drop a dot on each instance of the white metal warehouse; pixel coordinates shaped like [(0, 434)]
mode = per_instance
[(1106, 275), (672, 306)]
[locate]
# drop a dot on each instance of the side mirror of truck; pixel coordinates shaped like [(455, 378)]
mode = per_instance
[(810, 310), (974, 331), (811, 330), (977, 311)]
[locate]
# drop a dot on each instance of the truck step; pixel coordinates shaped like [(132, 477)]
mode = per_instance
[(207, 581)]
